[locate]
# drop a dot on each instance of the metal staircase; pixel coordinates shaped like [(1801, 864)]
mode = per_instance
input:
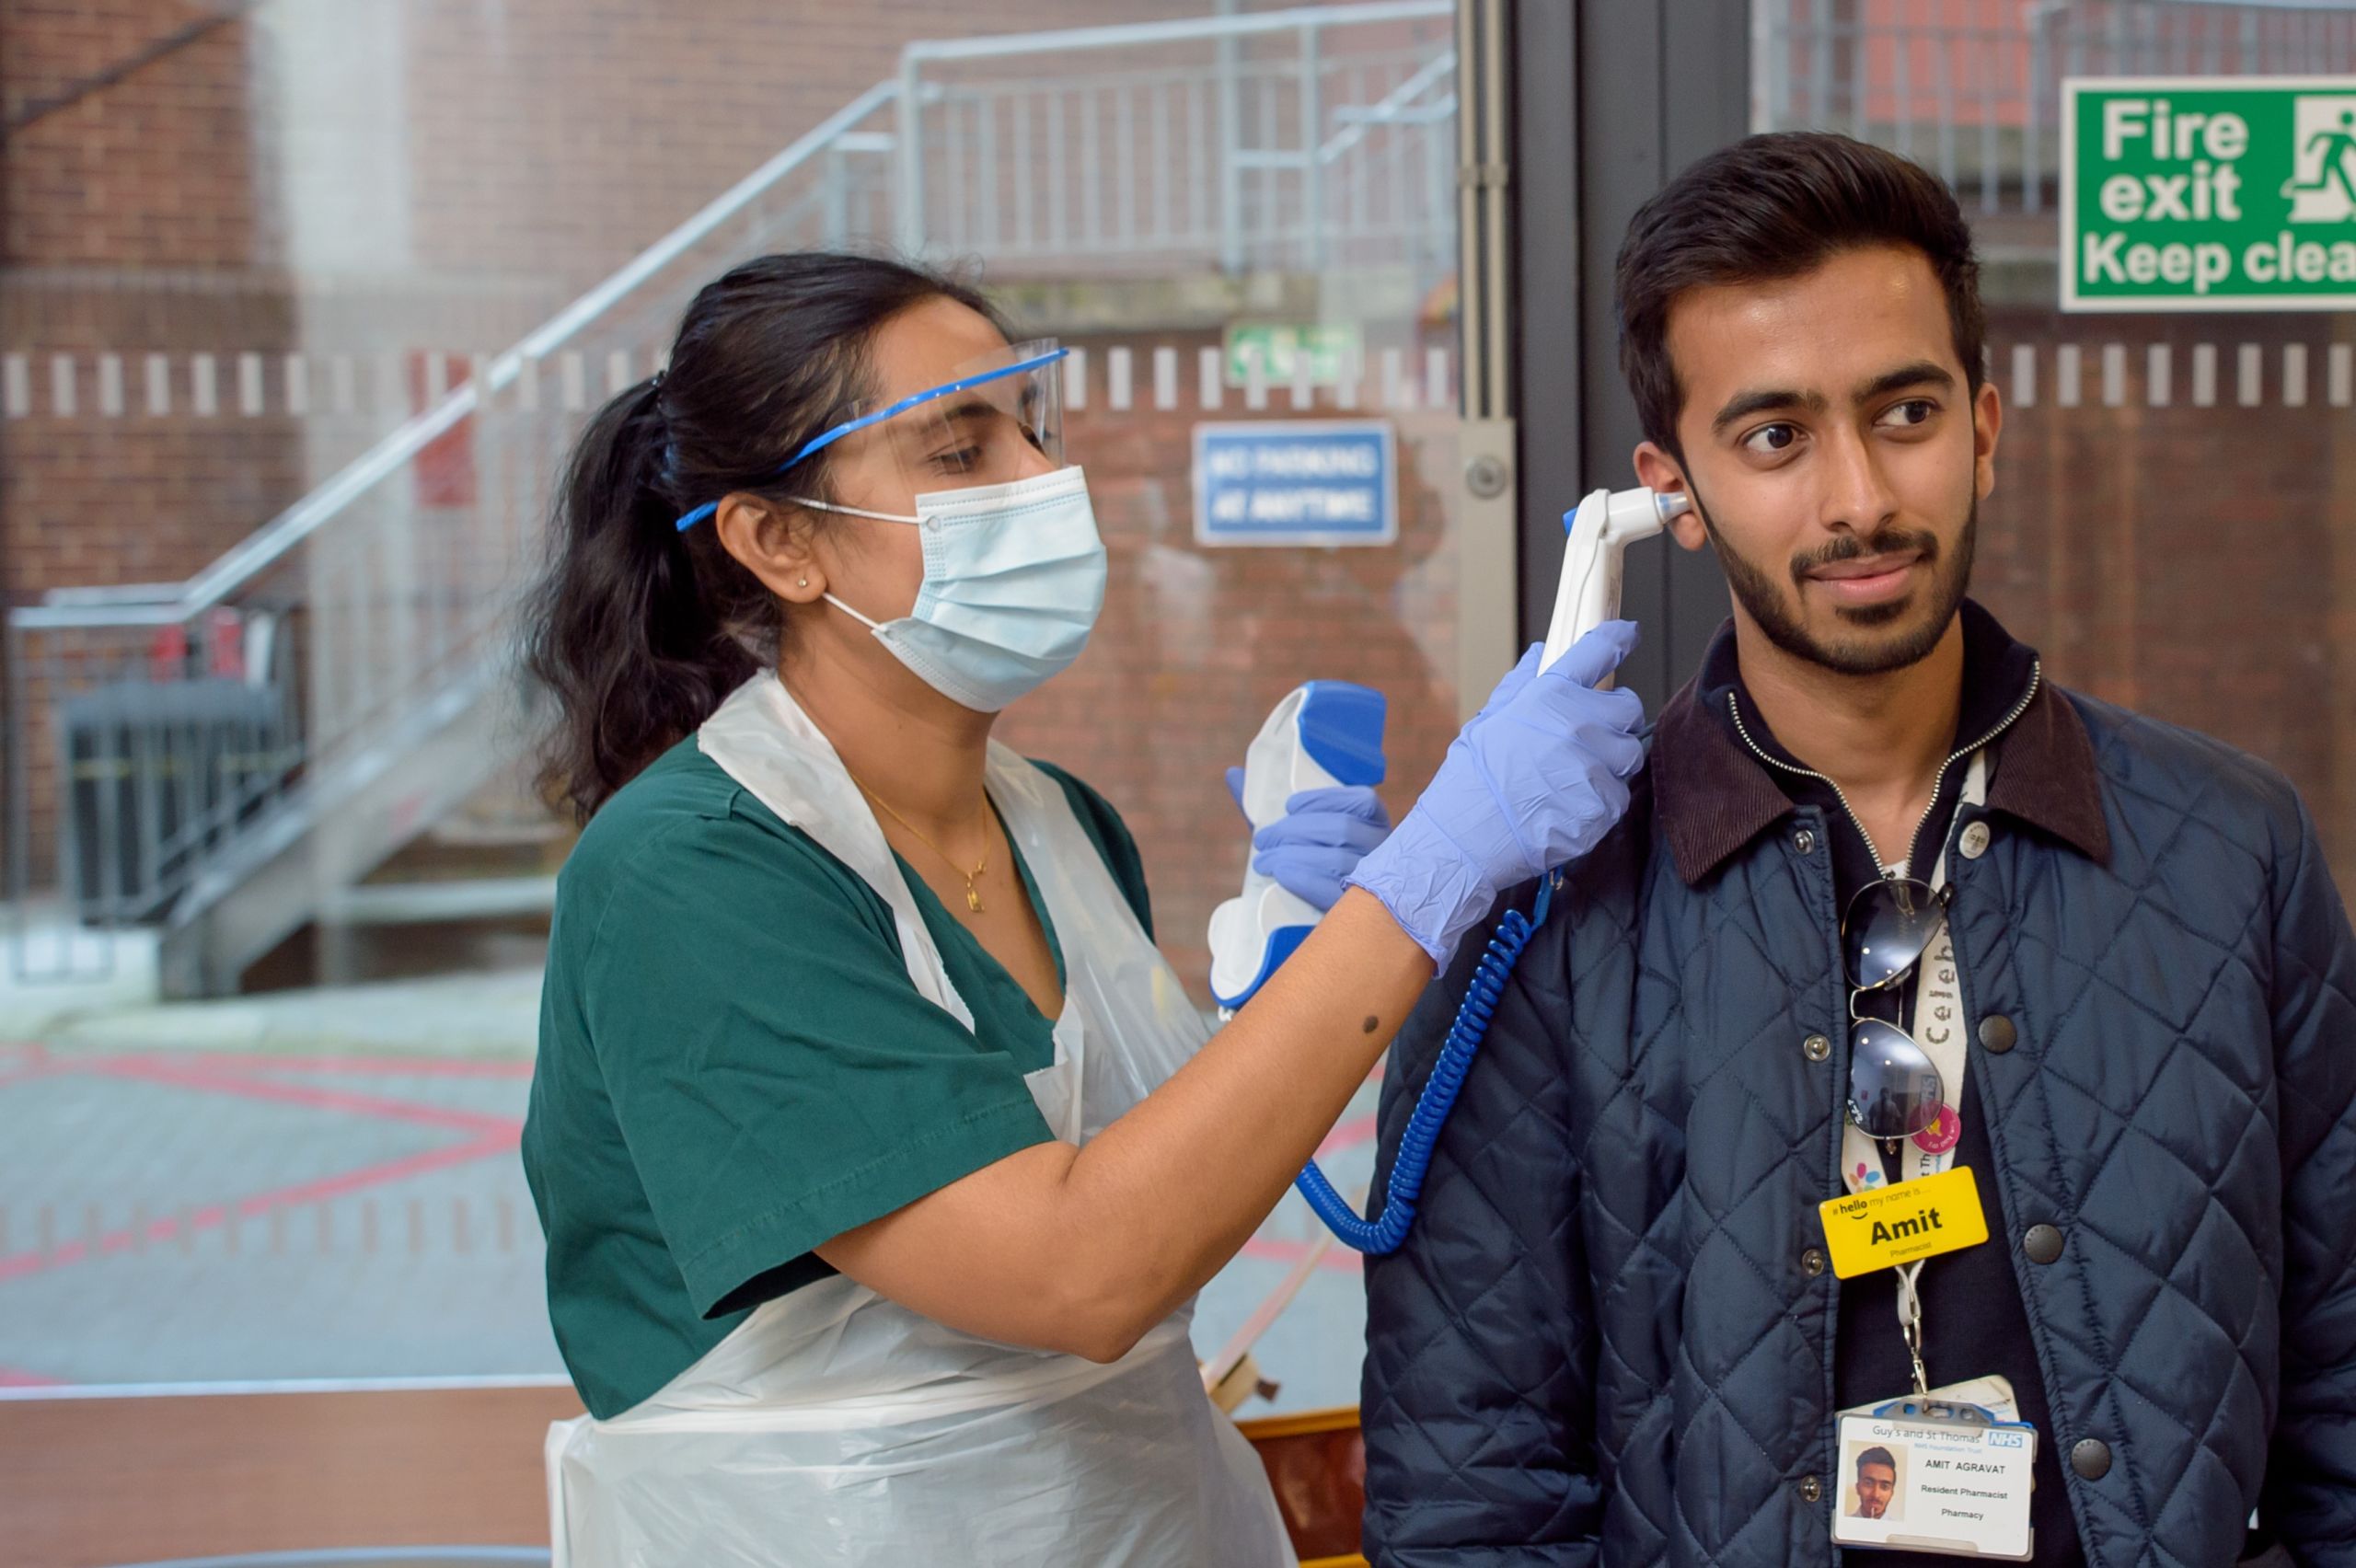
[(223, 758)]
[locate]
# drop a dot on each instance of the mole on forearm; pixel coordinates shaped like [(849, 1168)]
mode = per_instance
[(1371, 1024)]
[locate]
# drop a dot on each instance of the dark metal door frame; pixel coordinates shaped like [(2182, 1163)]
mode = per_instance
[(1610, 99)]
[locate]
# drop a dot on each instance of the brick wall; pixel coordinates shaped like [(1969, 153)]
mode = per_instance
[(2191, 562), (155, 170), (150, 177)]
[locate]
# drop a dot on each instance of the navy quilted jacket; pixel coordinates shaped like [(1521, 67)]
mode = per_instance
[(1599, 1344)]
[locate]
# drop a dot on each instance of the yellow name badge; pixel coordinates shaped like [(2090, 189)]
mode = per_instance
[(1888, 1225)]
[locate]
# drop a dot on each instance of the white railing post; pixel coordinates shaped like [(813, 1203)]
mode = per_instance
[(910, 155), (836, 201), (1230, 147), (2033, 114), (1312, 165)]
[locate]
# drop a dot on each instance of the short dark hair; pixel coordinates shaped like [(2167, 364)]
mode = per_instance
[(1881, 1456), (1769, 207)]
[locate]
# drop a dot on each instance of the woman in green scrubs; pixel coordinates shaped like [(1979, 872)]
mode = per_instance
[(879, 1154)]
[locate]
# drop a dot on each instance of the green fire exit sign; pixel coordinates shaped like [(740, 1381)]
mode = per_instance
[(2209, 193)]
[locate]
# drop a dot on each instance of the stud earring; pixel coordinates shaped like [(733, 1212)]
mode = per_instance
[(803, 584)]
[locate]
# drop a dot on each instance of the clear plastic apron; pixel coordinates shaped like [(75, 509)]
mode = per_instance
[(834, 1427)]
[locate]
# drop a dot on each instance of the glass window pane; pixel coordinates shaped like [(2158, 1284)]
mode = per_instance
[(305, 305), (2171, 521)]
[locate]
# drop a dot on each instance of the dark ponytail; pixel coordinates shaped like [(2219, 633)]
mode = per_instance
[(637, 630)]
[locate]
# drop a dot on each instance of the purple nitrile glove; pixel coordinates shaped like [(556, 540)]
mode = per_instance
[(1534, 781), (1319, 839)]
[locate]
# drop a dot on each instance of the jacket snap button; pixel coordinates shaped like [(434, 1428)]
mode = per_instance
[(1804, 841), (1810, 1489), (1974, 842), (2090, 1459), (1997, 1033), (1812, 1262), (1815, 1047), (2043, 1244)]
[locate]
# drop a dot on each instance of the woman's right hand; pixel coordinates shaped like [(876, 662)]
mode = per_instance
[(1534, 780)]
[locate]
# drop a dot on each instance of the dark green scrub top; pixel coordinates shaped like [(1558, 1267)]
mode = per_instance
[(734, 1067)]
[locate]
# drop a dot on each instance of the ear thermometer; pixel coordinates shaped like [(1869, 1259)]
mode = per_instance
[(1601, 531)]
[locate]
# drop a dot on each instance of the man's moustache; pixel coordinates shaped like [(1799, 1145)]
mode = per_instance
[(1890, 541)]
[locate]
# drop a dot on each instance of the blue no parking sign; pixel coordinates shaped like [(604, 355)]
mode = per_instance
[(1296, 482)]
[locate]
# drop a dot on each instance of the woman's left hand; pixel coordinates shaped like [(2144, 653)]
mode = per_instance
[(1319, 841)]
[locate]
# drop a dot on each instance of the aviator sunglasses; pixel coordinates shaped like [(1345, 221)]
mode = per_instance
[(1894, 1088)]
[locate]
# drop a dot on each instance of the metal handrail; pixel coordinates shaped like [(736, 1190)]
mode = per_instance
[(1393, 108), (1193, 29)]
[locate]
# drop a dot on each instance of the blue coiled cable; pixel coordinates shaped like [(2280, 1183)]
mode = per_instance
[(1438, 1098)]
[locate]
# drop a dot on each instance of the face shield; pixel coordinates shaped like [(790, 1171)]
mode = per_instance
[(996, 420), (991, 423)]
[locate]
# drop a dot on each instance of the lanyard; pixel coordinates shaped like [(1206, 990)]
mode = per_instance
[(1937, 1027)]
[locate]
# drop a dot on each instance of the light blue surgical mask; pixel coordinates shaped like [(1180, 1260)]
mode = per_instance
[(1013, 580)]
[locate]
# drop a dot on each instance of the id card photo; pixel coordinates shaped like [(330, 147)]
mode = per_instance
[(1872, 1472)]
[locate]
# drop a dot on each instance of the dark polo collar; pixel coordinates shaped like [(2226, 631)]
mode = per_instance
[(1713, 796)]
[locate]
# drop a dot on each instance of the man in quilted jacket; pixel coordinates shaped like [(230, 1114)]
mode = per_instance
[(1615, 1336)]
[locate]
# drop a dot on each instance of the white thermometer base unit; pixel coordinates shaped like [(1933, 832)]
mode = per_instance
[(1322, 734)]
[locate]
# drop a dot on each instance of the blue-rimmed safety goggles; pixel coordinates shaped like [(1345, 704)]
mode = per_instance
[(988, 424)]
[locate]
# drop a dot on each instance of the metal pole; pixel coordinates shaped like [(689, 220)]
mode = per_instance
[(911, 157), (1496, 157), (2033, 115), (1312, 167), (19, 843), (1231, 140), (1473, 277), (838, 204), (1819, 69), (1483, 515)]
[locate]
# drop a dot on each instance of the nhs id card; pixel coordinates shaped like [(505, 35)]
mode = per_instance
[(1934, 1486)]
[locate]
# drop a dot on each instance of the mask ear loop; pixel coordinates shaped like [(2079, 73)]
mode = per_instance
[(854, 614), (856, 511), (852, 511)]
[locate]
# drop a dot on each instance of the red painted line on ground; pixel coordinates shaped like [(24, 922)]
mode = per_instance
[(17, 1377), (350, 1182), (401, 1066), (20, 1060), (213, 1216), (1272, 1250), (1348, 1134), (152, 1070)]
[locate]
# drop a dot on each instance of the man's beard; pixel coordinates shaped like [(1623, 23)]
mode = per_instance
[(1779, 618)]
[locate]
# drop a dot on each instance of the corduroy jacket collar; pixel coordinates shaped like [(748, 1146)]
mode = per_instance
[(1713, 796)]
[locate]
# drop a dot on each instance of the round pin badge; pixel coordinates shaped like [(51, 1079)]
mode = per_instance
[(1943, 1134)]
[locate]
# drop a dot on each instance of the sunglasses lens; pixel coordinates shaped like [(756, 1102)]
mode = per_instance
[(1894, 1092), (1889, 926)]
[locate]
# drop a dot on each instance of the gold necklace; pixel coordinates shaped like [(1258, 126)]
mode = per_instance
[(973, 897)]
